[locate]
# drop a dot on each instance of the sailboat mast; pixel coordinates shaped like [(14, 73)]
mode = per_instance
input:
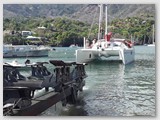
[(100, 20), (106, 20), (153, 35)]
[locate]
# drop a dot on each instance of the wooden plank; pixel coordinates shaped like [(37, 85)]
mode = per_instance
[(42, 103)]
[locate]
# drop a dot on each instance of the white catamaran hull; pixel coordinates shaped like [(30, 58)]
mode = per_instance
[(88, 55), (127, 56)]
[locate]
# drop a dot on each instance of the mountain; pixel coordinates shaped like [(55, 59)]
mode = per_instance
[(82, 12)]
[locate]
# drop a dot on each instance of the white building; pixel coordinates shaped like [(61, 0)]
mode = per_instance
[(26, 33)]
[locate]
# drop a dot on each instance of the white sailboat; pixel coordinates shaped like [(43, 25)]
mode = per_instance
[(153, 43), (106, 47), (24, 51)]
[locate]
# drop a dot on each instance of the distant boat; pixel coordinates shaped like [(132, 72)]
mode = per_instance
[(22, 66), (46, 47), (11, 51), (106, 47), (73, 46), (153, 43)]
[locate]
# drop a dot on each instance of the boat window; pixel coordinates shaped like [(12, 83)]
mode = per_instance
[(89, 55)]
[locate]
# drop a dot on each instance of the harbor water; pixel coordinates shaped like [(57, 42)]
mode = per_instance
[(112, 89)]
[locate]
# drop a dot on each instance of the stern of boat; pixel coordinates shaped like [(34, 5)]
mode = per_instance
[(126, 55), (84, 55)]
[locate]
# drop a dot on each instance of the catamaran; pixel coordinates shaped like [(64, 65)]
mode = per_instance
[(106, 46)]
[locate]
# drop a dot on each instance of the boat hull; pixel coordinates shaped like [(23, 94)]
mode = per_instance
[(127, 56), (88, 55), (35, 53)]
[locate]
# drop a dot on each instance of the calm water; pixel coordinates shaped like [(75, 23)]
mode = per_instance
[(111, 89)]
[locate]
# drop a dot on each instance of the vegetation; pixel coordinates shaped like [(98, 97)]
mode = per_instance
[(63, 31), (141, 30), (59, 31)]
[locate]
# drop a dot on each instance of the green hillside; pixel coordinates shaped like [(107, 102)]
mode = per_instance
[(66, 24)]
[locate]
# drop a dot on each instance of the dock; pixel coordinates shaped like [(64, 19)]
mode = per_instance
[(42, 103), (19, 96)]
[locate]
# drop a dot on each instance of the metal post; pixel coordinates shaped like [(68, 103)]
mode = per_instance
[(84, 42), (153, 35)]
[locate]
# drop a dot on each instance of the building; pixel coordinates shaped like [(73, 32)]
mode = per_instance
[(26, 33)]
